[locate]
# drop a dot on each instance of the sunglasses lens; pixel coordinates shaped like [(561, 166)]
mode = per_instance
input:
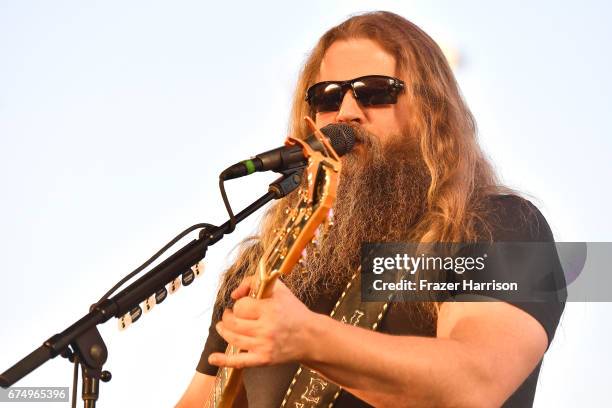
[(369, 90), (325, 97), (375, 91)]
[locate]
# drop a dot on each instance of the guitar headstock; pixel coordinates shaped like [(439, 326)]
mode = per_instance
[(315, 201)]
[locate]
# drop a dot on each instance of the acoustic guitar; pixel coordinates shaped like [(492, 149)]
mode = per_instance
[(312, 210)]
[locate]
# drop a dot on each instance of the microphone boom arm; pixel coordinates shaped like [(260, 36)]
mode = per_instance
[(84, 332)]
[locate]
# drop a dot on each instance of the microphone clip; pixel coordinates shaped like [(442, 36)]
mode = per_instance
[(289, 181)]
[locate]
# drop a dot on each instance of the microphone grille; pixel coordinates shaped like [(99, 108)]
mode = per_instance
[(341, 137)]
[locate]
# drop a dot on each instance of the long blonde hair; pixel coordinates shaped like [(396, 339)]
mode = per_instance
[(461, 177)]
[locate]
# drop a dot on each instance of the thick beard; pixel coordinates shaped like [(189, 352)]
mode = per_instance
[(381, 195)]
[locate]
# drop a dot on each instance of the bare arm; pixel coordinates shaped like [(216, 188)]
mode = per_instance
[(483, 350), (197, 392), (482, 353)]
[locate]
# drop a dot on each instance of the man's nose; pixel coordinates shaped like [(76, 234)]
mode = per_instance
[(350, 110)]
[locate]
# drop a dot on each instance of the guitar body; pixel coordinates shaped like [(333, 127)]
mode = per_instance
[(235, 394), (241, 398)]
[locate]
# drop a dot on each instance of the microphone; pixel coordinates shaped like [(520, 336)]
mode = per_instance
[(341, 137)]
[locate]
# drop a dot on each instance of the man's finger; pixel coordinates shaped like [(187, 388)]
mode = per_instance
[(240, 360), (235, 339), (247, 308), (243, 289), (236, 324)]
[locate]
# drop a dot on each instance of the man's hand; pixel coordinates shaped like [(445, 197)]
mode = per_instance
[(483, 350), (271, 330)]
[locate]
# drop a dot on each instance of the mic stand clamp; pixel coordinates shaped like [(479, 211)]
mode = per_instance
[(289, 181), (90, 353)]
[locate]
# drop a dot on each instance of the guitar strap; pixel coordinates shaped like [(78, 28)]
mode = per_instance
[(310, 390)]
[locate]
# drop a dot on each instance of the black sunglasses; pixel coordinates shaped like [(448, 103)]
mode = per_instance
[(369, 90)]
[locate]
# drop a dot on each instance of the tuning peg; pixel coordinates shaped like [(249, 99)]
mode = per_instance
[(308, 213)]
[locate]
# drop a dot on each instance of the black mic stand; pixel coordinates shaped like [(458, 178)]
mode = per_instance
[(82, 343)]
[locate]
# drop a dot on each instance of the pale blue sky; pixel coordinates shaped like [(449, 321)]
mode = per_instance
[(116, 117)]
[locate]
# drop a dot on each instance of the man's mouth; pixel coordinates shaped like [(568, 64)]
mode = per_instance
[(358, 147), (358, 140)]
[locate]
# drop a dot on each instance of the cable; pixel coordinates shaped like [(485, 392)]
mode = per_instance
[(232, 217)]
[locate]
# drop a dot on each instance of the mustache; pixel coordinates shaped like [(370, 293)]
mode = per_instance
[(362, 135), (395, 149)]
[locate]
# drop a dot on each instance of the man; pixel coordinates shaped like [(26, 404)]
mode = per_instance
[(415, 175)]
